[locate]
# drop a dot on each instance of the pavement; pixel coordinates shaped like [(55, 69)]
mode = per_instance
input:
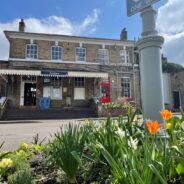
[(13, 133)]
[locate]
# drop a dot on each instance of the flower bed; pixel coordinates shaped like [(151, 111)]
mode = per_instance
[(114, 112), (115, 109), (111, 151)]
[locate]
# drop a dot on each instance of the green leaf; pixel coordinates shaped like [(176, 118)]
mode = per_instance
[(1, 145), (154, 170), (77, 157), (180, 169), (177, 150), (137, 175), (4, 154)]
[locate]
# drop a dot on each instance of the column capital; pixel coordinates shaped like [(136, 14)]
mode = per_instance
[(151, 41)]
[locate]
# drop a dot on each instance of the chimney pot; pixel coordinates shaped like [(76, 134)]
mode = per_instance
[(123, 35), (22, 26)]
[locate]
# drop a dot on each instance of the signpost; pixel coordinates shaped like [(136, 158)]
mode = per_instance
[(149, 47), (135, 6)]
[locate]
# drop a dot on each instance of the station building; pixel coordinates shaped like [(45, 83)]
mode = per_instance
[(68, 70)]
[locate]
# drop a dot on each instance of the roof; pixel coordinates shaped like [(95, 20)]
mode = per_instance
[(53, 37)]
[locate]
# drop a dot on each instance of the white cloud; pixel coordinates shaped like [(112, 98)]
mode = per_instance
[(52, 25), (171, 25)]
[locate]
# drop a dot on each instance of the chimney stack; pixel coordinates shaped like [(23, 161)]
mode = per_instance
[(22, 26), (123, 35)]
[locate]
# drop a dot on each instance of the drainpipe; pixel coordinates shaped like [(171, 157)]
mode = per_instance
[(134, 79), (116, 85)]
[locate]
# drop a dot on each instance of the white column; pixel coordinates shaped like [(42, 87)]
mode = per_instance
[(151, 67)]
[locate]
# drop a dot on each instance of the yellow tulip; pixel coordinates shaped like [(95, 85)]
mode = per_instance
[(168, 125)]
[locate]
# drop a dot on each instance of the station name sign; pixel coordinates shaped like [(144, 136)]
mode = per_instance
[(135, 6), (54, 72)]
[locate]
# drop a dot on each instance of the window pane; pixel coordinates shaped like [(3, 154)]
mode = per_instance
[(103, 56), (80, 54), (125, 84), (31, 51), (124, 56), (79, 82), (56, 53)]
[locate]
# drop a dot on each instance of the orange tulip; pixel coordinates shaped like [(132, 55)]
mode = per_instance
[(153, 127), (166, 115)]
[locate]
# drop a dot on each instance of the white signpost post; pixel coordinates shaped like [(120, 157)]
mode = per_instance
[(149, 47)]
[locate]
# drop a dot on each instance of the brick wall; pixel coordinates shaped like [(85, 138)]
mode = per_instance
[(115, 71), (18, 50)]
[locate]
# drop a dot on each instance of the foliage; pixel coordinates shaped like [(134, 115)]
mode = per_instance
[(148, 158), (113, 105), (118, 151), (168, 67), (22, 176), (66, 149)]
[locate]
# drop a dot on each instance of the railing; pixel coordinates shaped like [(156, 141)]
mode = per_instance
[(3, 106)]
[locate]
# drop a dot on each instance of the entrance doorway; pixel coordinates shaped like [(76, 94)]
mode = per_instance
[(176, 99), (29, 94)]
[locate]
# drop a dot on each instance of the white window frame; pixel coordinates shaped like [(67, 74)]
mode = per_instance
[(124, 53), (51, 92), (58, 59), (76, 56), (103, 56), (124, 91), (27, 56), (77, 83), (78, 86)]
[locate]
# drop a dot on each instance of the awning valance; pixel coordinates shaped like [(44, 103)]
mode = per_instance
[(53, 73), (19, 72)]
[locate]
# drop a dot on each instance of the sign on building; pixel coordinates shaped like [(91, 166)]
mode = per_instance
[(135, 6)]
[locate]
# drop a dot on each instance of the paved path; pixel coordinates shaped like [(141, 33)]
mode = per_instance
[(17, 132)]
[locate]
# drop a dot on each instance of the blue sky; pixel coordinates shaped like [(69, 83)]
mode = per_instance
[(112, 14), (93, 18)]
